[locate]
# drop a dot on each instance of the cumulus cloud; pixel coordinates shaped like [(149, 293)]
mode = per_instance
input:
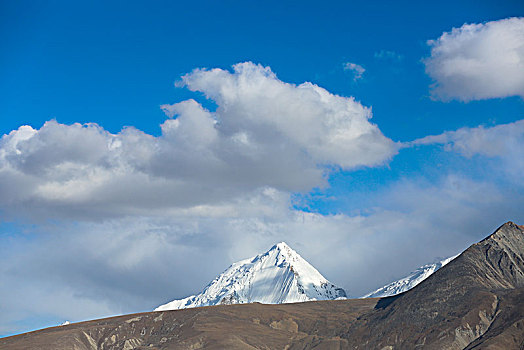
[(478, 61), (264, 133), (356, 69)]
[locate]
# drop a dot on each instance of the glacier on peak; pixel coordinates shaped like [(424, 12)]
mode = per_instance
[(277, 276), (408, 282)]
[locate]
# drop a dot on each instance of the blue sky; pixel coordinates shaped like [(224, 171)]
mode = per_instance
[(115, 63), (80, 229)]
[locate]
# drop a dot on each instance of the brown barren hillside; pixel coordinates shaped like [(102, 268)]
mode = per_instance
[(247, 326), (474, 302)]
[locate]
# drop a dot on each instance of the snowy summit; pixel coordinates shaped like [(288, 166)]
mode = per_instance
[(278, 276), (408, 282)]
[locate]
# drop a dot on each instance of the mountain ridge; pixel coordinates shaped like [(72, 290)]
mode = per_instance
[(475, 301), (410, 281)]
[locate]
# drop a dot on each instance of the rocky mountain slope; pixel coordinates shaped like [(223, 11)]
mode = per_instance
[(408, 282), (474, 302), (278, 276), (456, 305)]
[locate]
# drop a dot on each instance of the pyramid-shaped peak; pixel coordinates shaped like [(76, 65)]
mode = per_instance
[(507, 232), (282, 246), (510, 224), (280, 275), (283, 252)]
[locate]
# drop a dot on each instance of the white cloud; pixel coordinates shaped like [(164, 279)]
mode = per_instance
[(478, 61), (356, 69), (503, 143), (501, 140), (264, 133)]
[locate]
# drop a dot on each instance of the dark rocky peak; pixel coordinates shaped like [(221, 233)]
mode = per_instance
[(499, 258), (454, 306)]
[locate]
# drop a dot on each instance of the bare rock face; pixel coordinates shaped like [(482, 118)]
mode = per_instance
[(474, 302), (454, 306)]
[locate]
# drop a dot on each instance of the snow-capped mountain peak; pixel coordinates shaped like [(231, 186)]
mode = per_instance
[(279, 275), (408, 282)]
